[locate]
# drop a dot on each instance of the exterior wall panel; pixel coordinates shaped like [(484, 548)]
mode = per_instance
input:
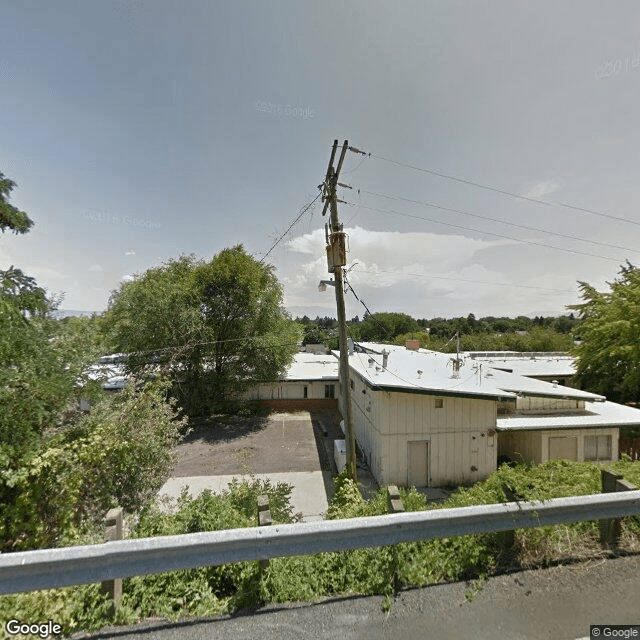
[(533, 446), (395, 419)]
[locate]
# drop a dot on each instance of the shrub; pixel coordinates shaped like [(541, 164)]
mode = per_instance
[(119, 454)]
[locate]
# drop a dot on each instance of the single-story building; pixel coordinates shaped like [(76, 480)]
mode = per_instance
[(588, 434), (416, 423), (552, 366), (311, 381), (428, 418)]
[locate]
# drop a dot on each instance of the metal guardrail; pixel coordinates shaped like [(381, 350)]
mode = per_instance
[(48, 568)]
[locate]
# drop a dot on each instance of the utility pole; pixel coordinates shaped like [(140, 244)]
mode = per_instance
[(336, 260)]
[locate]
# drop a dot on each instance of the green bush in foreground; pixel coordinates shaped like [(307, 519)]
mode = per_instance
[(120, 453), (213, 590)]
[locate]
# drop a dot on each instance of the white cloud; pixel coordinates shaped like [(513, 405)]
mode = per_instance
[(131, 252), (127, 278), (96, 267), (543, 188), (394, 270), (429, 275)]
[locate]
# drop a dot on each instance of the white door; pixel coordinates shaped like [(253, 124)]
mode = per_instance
[(418, 464)]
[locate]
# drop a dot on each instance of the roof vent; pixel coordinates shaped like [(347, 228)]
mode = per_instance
[(419, 374), (555, 383), (371, 362), (385, 358)]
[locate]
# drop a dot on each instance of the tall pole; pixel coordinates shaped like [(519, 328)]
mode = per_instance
[(336, 257)]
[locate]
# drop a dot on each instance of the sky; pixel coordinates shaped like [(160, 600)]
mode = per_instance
[(141, 131)]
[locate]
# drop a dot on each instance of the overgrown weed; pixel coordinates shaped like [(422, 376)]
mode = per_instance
[(378, 571)]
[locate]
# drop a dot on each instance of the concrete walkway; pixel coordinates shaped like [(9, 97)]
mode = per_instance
[(308, 496)]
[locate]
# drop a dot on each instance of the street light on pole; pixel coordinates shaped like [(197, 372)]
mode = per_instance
[(322, 287)]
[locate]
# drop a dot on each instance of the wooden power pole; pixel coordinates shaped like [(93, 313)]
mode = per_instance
[(336, 260)]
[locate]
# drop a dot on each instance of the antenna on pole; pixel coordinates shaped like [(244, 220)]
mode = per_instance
[(457, 361)]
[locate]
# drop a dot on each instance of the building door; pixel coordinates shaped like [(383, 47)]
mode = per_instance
[(563, 447), (418, 461)]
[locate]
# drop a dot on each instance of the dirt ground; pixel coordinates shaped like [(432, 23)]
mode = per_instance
[(277, 442)]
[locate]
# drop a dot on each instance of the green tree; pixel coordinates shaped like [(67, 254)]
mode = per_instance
[(11, 217), (215, 326), (608, 355), (23, 291), (118, 453), (35, 384), (384, 327)]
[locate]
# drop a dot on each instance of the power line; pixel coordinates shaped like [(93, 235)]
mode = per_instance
[(356, 167), (547, 203), (275, 244), (190, 345), (490, 233), (499, 284), (482, 217), (367, 308)]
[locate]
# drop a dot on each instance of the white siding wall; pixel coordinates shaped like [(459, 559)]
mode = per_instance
[(521, 446), (458, 434), (580, 434), (290, 390), (532, 404), (533, 446)]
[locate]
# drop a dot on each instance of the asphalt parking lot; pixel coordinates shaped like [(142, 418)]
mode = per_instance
[(292, 447)]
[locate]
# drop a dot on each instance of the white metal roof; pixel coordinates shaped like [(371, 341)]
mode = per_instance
[(420, 371), (311, 366), (115, 383), (475, 378), (597, 414), (527, 364), (103, 371), (531, 386)]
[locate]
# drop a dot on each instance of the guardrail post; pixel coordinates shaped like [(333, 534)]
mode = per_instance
[(264, 520), (508, 538), (611, 528), (113, 588), (395, 506), (395, 501)]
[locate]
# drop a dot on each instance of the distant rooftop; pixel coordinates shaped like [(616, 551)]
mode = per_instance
[(532, 363), (420, 371), (599, 414), (433, 372), (311, 366)]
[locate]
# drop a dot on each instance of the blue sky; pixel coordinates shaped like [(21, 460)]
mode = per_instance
[(139, 131)]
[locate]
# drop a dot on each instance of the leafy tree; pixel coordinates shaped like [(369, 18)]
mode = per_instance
[(215, 326), (35, 384), (119, 453), (609, 331), (314, 334), (58, 468), (383, 327), (23, 291), (10, 217)]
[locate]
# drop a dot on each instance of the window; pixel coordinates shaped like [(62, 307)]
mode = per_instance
[(329, 390), (304, 391), (351, 382), (597, 447), (439, 403)]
